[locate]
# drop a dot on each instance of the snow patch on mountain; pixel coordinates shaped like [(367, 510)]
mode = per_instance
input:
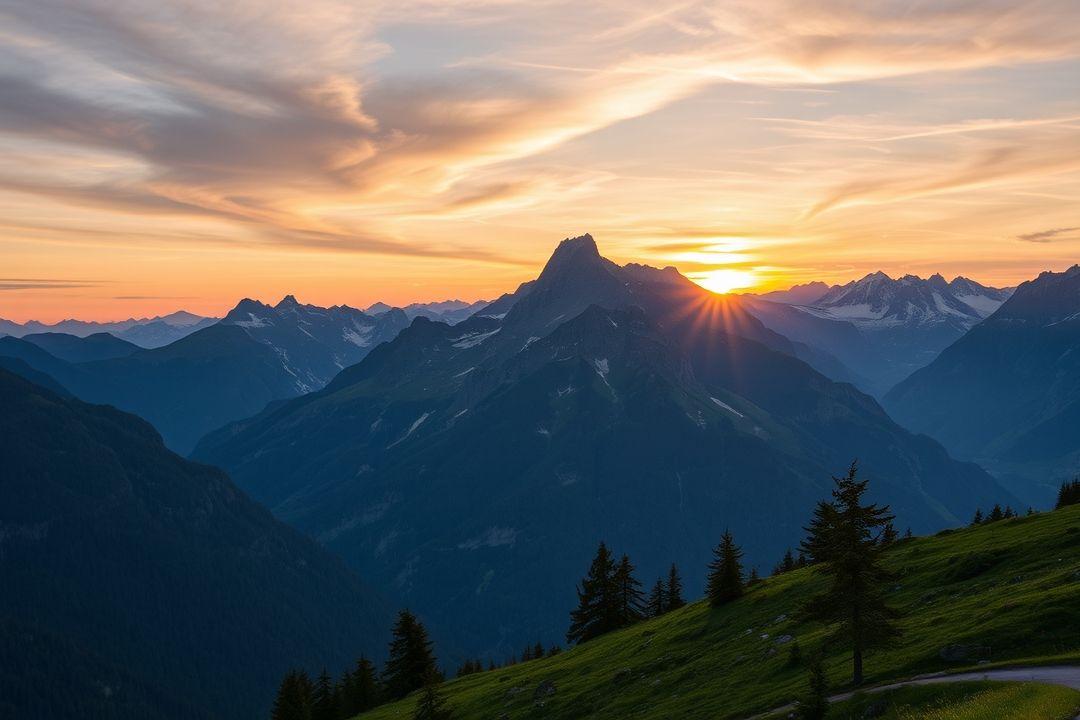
[(412, 428), (879, 302), (360, 337), (253, 321), (727, 407), (472, 339)]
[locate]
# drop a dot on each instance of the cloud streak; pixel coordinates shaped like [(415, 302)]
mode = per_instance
[(1045, 236)]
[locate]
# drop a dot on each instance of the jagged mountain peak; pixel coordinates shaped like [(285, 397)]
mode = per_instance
[(314, 343), (877, 301), (572, 254), (250, 311)]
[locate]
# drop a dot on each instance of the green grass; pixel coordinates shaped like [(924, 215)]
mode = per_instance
[(1012, 588), (963, 701)]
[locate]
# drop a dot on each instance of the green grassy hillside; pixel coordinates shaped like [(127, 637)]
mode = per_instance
[(1008, 592)]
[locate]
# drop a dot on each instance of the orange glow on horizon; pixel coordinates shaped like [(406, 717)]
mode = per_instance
[(725, 280)]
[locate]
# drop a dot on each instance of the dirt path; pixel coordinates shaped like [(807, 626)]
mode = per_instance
[(1064, 675)]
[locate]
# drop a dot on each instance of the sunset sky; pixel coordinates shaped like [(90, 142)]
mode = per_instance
[(159, 155)]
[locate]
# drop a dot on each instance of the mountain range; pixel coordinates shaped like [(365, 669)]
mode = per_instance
[(315, 343), (448, 311), (1008, 392), (881, 329), (138, 584), (230, 370), (185, 389), (470, 469), (145, 332)]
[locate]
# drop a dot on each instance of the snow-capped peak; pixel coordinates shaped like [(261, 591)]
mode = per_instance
[(879, 301)]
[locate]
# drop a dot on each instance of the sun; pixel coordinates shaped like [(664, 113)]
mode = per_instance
[(724, 280)]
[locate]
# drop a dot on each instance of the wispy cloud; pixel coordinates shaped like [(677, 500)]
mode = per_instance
[(45, 283), (1045, 236)]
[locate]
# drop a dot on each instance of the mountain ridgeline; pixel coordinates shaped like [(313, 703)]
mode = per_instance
[(145, 332), (230, 370), (138, 584), (1008, 392), (468, 468), (879, 328)]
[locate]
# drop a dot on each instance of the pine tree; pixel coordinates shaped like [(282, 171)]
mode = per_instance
[(526, 656), (674, 590), (293, 701), (431, 705), (324, 701), (908, 534), (995, 514), (1069, 494), (725, 581), (597, 611), (848, 547), (1009, 513), (816, 704), (889, 535), (630, 599), (978, 519), (411, 660), (657, 603), (554, 650), (754, 578), (361, 689), (786, 564), (538, 651)]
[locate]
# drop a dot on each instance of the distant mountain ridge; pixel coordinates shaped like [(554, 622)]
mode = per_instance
[(467, 466), (805, 294), (1008, 392), (75, 349), (315, 343), (185, 389), (877, 301), (145, 332), (449, 311), (882, 328), (227, 371)]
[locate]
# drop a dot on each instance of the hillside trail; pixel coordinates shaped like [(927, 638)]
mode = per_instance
[(1064, 675)]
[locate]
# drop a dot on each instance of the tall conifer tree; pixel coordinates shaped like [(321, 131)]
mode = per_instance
[(411, 660), (597, 610), (1068, 494), (725, 581), (847, 544), (293, 701), (674, 590), (324, 699), (628, 594)]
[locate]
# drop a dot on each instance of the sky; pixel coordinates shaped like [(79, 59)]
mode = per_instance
[(168, 154)]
